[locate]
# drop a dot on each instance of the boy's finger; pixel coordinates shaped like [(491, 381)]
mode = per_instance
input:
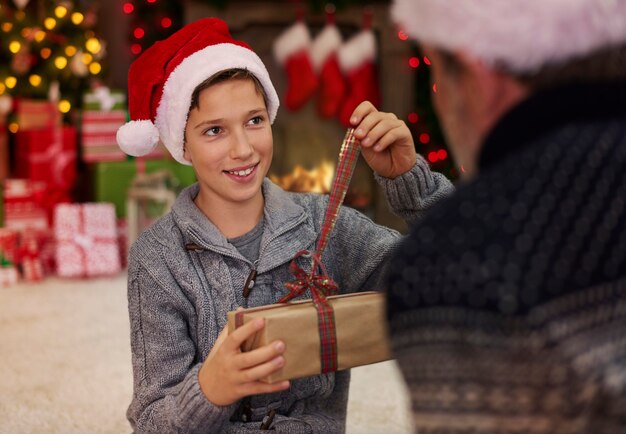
[(261, 371), (259, 355), (360, 112), (234, 340)]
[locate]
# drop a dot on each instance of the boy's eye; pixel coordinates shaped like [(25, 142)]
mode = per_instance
[(213, 131), (256, 120)]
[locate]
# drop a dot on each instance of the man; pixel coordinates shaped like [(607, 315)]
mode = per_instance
[(507, 303)]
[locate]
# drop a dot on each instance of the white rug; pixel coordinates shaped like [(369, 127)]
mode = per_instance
[(65, 364)]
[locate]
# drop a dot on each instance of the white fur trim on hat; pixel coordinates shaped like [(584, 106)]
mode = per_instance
[(171, 117), (292, 40), (137, 138), (359, 49), (524, 35), (327, 42)]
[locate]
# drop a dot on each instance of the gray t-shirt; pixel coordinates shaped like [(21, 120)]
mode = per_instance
[(249, 243)]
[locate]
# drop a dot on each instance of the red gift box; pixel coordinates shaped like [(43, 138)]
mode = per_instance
[(86, 240), (24, 204), (99, 135), (8, 243), (47, 155)]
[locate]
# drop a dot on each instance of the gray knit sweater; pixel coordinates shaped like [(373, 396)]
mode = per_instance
[(178, 300)]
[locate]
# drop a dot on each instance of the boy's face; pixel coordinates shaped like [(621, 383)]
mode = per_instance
[(229, 142)]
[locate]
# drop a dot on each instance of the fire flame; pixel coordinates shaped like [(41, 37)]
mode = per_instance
[(316, 180)]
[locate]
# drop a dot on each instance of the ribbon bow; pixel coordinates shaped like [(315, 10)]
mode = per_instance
[(320, 286)]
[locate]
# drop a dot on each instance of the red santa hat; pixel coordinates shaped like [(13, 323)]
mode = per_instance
[(522, 35), (162, 80)]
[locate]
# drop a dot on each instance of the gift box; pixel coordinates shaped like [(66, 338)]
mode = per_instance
[(24, 204), (30, 260), (150, 196), (8, 243), (104, 99), (98, 135), (86, 240), (4, 151), (47, 155), (359, 323), (8, 273), (35, 114), (111, 181)]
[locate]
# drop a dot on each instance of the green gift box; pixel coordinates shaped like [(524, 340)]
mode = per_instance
[(104, 99), (111, 180)]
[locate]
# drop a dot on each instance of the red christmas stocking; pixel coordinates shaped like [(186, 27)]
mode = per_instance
[(291, 50), (357, 58), (332, 86)]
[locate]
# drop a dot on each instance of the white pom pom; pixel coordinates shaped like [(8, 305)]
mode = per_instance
[(137, 138)]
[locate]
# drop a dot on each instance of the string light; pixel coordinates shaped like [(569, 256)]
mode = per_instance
[(70, 50), (45, 53), (413, 117), (64, 106), (424, 138), (14, 47), (77, 18), (2, 88), (87, 58), (402, 36), (40, 35), (139, 33), (14, 127), (128, 8), (10, 82), (93, 45), (35, 80), (60, 11), (60, 62), (7, 27), (95, 68), (414, 62), (136, 49), (442, 154), (49, 23), (426, 60), (166, 23)]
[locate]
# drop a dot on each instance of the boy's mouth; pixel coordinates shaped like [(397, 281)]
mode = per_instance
[(242, 171)]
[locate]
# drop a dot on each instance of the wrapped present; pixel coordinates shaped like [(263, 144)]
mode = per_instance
[(35, 114), (360, 332), (30, 258), (9, 243), (86, 240), (150, 196), (8, 273), (47, 155), (104, 99), (331, 332), (110, 181), (24, 204), (98, 135)]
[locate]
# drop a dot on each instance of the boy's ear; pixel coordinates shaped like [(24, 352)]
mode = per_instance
[(186, 154)]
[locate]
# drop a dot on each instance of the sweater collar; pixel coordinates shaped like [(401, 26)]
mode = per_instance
[(279, 211), (548, 110)]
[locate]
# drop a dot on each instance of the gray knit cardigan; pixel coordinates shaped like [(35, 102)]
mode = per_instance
[(178, 300)]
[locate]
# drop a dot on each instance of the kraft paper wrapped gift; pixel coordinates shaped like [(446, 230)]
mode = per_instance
[(360, 325)]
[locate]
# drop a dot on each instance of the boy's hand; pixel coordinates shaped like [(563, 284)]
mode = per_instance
[(228, 374), (386, 142)]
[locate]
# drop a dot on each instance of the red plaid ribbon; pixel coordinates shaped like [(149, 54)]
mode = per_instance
[(319, 283)]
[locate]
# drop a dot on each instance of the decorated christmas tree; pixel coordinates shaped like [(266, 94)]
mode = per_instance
[(44, 42)]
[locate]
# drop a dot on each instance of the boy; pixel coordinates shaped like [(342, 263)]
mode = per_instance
[(212, 104)]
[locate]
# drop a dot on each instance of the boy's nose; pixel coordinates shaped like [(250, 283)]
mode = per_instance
[(240, 147)]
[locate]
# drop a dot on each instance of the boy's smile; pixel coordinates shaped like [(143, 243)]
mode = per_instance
[(229, 142)]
